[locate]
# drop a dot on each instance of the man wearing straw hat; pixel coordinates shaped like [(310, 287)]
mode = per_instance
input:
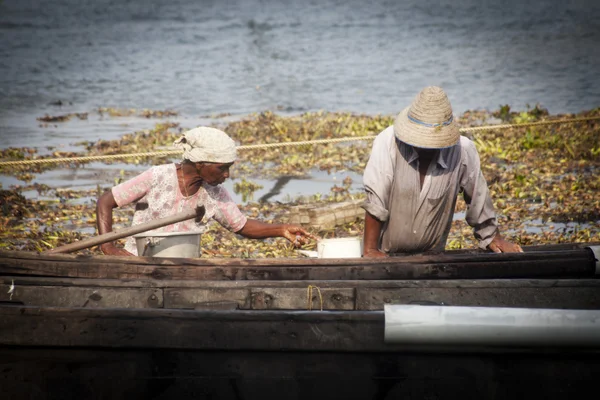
[(165, 190), (415, 172)]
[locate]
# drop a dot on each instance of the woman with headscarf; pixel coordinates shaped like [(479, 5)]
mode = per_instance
[(168, 189)]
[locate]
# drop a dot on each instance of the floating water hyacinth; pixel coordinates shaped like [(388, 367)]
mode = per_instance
[(544, 180)]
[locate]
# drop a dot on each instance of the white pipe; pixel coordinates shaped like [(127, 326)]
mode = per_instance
[(413, 324)]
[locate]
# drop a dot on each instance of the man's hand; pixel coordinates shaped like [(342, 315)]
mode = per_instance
[(500, 245), (373, 253), (111, 250)]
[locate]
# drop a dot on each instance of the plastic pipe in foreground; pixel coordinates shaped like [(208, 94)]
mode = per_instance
[(439, 325)]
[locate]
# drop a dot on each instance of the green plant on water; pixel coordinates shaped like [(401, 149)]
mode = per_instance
[(543, 140), (246, 188), (530, 141), (532, 114), (537, 112), (520, 178), (120, 178), (455, 244), (523, 118), (503, 113), (494, 147)]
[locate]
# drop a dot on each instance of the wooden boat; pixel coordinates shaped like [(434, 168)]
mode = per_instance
[(111, 327)]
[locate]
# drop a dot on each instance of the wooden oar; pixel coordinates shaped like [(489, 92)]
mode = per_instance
[(110, 236)]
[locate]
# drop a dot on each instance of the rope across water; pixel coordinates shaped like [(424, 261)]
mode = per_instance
[(280, 144)]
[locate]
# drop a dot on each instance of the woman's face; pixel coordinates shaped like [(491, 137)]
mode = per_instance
[(213, 173)]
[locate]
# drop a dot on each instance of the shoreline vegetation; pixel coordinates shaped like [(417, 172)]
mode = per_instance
[(544, 180)]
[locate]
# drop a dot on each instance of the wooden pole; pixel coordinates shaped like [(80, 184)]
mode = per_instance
[(110, 236)]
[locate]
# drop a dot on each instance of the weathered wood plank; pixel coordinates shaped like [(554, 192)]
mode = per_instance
[(336, 295), (195, 298), (566, 265), (75, 296), (466, 256), (391, 284), (311, 297), (264, 298), (548, 297), (297, 298)]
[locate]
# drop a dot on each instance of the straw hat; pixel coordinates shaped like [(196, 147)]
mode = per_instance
[(428, 122)]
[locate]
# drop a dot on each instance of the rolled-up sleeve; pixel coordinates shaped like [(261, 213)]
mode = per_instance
[(134, 189), (480, 208), (378, 175), (227, 213)]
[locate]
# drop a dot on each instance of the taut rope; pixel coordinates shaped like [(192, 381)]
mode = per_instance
[(280, 144)]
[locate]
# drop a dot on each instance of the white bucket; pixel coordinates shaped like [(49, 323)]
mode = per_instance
[(168, 244), (349, 247)]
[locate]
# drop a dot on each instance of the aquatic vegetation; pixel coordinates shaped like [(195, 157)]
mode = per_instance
[(246, 188), (61, 118), (544, 180), (120, 112), (503, 113)]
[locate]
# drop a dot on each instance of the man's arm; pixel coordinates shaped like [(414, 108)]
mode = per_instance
[(371, 236), (377, 180), (480, 208)]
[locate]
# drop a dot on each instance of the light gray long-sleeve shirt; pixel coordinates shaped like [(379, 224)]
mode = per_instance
[(419, 219)]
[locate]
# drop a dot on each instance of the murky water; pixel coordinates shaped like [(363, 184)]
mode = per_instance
[(203, 58)]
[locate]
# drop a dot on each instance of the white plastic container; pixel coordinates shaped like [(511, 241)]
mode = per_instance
[(168, 244), (350, 247)]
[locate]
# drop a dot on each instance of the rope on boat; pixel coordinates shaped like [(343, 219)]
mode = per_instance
[(280, 144), (309, 295)]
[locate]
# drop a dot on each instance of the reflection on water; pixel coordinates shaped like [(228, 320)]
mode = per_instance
[(244, 56), (289, 188), (96, 175), (276, 189)]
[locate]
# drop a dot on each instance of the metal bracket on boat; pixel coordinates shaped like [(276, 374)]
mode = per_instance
[(596, 251)]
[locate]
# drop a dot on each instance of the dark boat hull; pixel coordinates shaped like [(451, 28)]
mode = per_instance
[(75, 327), (161, 354)]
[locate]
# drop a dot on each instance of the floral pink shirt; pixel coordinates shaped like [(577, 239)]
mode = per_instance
[(157, 195)]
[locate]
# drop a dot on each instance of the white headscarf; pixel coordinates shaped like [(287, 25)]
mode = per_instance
[(207, 144)]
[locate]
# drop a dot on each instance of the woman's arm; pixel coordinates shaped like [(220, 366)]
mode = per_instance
[(104, 211), (254, 229)]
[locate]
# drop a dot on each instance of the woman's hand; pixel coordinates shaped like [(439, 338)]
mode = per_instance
[(298, 236), (255, 229), (111, 250), (500, 245)]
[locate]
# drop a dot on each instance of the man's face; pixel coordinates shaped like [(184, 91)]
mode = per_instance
[(213, 173)]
